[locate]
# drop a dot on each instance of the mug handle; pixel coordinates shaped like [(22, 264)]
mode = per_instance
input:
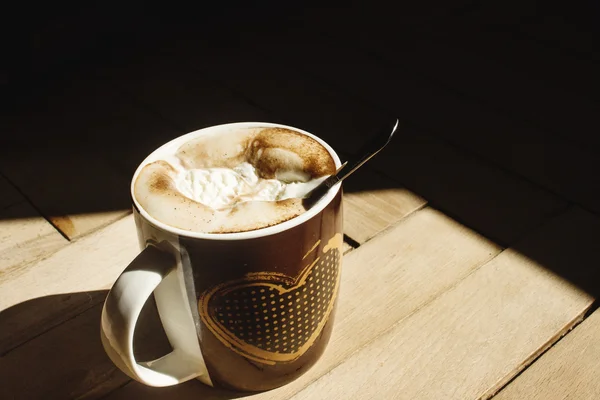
[(153, 270)]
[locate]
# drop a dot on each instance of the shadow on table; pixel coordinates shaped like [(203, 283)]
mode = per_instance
[(57, 339)]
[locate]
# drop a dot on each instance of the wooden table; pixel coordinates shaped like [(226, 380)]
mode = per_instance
[(470, 267)]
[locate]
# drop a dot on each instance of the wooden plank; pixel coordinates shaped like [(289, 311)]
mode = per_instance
[(491, 31), (77, 193), (570, 369), (173, 101), (9, 195), (172, 89), (75, 362), (58, 288), (65, 284), (547, 160), (24, 237), (474, 338), (497, 204), (64, 170), (137, 130), (452, 180), (391, 276), (373, 202), (80, 334), (554, 103)]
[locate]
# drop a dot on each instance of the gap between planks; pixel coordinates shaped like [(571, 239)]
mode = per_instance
[(25, 236), (569, 369)]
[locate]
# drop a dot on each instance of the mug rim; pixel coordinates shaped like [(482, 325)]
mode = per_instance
[(159, 153)]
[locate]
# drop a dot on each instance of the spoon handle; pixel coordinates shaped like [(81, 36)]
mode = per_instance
[(366, 152)]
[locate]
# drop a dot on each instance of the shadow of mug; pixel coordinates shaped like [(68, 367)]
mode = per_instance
[(51, 349)]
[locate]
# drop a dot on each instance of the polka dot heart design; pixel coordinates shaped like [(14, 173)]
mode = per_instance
[(271, 317)]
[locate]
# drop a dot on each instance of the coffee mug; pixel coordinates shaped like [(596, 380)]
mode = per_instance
[(246, 311)]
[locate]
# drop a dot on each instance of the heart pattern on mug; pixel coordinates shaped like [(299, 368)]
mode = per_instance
[(271, 317)]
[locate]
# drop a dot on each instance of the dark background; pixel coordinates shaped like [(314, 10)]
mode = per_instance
[(48, 40)]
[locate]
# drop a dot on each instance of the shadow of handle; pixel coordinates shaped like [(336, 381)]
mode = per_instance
[(153, 270)]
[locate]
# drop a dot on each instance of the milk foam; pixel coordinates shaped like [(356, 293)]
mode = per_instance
[(234, 181), (223, 187)]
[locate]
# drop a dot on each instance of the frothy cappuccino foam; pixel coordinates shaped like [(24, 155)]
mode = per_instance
[(223, 187), (240, 180)]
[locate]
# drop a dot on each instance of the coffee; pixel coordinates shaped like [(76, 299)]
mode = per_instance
[(235, 181)]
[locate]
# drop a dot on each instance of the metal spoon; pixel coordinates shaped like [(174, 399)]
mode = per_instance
[(369, 149)]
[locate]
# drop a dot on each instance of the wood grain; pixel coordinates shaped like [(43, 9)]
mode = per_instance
[(373, 202), (29, 301), (25, 237), (474, 338), (568, 370), (409, 265)]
